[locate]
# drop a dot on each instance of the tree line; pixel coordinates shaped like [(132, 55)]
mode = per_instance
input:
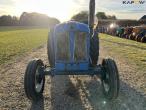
[(83, 16), (28, 19), (105, 20), (37, 19)]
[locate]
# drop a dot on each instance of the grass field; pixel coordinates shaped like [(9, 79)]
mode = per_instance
[(14, 28), (15, 41), (134, 52)]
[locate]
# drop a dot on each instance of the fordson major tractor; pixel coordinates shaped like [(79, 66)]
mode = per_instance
[(139, 34), (73, 49)]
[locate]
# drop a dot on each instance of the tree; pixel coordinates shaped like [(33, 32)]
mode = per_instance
[(113, 17), (37, 19), (7, 20), (101, 15), (81, 16)]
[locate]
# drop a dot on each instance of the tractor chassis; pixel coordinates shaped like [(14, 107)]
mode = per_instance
[(36, 71), (98, 70)]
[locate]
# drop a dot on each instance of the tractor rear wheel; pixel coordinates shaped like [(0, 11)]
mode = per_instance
[(123, 35), (143, 39), (110, 79), (133, 37), (50, 51), (130, 36), (138, 38), (94, 49), (126, 36), (34, 80)]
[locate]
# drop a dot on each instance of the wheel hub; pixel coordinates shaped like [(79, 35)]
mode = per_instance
[(106, 82), (38, 80)]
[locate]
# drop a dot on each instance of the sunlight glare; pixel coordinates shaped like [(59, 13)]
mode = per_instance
[(61, 9)]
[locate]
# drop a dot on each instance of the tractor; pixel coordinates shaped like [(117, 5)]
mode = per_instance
[(140, 34), (136, 30), (119, 31), (112, 30), (127, 32), (73, 49)]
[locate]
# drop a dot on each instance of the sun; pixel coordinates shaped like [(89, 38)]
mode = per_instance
[(61, 9)]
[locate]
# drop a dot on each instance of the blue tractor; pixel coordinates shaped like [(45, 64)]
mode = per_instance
[(73, 49)]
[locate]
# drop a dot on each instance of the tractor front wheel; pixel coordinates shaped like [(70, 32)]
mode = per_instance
[(110, 79), (34, 80)]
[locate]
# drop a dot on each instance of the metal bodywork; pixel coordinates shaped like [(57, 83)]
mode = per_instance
[(98, 70), (71, 42), (120, 31)]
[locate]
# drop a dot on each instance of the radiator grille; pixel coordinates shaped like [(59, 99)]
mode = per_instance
[(63, 50), (80, 46)]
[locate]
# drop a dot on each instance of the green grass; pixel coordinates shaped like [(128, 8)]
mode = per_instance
[(15, 41), (134, 52), (20, 40), (14, 28)]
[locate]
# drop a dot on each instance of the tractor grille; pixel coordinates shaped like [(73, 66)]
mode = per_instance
[(80, 46), (63, 50)]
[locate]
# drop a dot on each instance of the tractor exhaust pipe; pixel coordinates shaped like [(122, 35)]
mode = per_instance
[(91, 16)]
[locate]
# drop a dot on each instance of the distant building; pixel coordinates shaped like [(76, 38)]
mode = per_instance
[(143, 18)]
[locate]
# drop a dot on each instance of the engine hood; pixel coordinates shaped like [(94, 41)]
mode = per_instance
[(71, 26)]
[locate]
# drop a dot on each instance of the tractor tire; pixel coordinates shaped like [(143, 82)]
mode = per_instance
[(127, 36), (123, 35), (130, 36), (50, 49), (34, 80), (133, 37), (137, 38), (143, 39), (110, 79), (94, 49), (120, 35)]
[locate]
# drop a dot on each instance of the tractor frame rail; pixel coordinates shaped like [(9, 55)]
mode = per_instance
[(98, 70)]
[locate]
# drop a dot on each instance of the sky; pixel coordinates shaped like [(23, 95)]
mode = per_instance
[(64, 9)]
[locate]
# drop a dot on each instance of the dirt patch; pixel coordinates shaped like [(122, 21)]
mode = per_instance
[(68, 92)]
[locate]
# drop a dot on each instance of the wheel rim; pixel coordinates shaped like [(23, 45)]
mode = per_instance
[(38, 84), (106, 83)]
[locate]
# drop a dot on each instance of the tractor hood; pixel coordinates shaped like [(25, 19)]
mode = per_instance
[(71, 26)]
